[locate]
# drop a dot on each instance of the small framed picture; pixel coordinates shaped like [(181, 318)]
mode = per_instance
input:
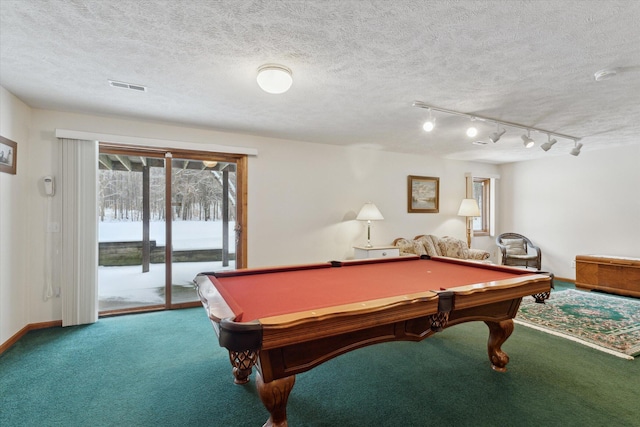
[(424, 194), (8, 153)]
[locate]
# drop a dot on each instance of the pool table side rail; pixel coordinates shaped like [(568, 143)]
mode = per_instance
[(298, 328), (305, 326), (520, 287), (267, 270), (482, 264)]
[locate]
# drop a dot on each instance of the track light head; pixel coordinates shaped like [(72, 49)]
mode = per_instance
[(576, 149), (547, 145), (527, 141), (430, 123), (472, 131), (495, 136)]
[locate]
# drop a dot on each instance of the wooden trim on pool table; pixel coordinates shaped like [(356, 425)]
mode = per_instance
[(310, 325), (305, 326)]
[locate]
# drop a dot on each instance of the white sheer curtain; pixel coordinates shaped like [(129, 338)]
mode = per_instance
[(79, 238)]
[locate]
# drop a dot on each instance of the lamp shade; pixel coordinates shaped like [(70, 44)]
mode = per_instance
[(469, 207), (274, 79), (369, 212)]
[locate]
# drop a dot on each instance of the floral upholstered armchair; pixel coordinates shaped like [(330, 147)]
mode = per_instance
[(439, 246)]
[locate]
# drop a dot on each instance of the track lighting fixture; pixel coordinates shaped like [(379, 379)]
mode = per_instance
[(576, 149), (527, 141), (472, 131), (495, 136), (429, 124), (547, 145)]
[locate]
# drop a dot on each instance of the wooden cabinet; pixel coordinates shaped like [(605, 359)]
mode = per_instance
[(360, 252), (619, 275)]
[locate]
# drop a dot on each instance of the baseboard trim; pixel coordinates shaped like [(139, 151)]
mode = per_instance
[(562, 279), (22, 332)]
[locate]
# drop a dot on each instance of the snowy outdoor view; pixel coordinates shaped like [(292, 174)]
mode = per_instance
[(129, 285), (197, 232)]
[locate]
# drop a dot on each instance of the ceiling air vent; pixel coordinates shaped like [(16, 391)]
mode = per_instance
[(124, 85)]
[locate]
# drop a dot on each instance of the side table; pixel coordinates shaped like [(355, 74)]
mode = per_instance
[(361, 252)]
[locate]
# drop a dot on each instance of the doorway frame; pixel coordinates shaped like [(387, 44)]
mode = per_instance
[(241, 162)]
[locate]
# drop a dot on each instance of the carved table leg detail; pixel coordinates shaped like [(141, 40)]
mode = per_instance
[(274, 396), (439, 321), (498, 334), (242, 362), (541, 297)]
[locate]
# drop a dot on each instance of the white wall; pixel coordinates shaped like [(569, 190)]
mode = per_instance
[(571, 206), (15, 118), (302, 200)]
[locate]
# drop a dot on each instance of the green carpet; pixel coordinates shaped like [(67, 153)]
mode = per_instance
[(605, 322), (166, 369)]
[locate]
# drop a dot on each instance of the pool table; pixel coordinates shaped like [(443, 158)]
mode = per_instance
[(287, 320)]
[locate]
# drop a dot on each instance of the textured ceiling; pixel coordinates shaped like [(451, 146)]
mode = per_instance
[(357, 66)]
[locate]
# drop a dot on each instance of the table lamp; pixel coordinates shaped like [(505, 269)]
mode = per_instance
[(369, 212), (469, 208)]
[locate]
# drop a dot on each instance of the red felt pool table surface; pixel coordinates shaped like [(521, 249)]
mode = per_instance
[(260, 293)]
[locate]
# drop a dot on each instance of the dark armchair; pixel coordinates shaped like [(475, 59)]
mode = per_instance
[(519, 250)]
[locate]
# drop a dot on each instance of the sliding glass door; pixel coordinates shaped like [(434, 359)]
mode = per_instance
[(164, 217), (203, 217)]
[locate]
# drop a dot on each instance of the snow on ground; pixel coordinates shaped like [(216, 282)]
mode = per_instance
[(186, 234), (131, 284)]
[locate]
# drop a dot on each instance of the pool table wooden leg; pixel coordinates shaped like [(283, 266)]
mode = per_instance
[(498, 334), (242, 362), (274, 396)]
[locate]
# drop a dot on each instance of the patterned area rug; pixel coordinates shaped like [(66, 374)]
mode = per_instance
[(605, 322)]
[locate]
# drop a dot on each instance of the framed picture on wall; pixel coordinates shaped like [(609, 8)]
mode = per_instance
[(424, 194), (8, 153)]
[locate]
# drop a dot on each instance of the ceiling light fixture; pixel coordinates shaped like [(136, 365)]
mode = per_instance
[(274, 78), (547, 145), (526, 138), (576, 149), (495, 136), (430, 123), (209, 163), (527, 141)]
